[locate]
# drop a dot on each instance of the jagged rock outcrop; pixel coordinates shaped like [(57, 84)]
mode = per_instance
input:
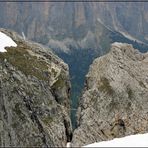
[(34, 96), (115, 99)]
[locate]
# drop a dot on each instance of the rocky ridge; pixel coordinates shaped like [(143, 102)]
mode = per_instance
[(115, 99), (34, 96)]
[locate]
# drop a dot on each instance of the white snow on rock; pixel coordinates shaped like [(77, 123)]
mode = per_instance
[(6, 41), (140, 140), (117, 44), (68, 144)]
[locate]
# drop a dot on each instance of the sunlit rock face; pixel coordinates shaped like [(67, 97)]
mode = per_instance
[(34, 96), (115, 98)]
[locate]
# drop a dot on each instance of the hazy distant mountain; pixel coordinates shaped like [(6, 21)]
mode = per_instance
[(75, 20)]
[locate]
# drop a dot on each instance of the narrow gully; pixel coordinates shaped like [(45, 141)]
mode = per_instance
[(78, 61)]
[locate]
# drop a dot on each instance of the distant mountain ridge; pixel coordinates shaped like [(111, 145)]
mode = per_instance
[(60, 20)]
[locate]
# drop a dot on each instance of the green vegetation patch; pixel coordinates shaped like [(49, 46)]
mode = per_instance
[(59, 83), (17, 110), (130, 93), (26, 63), (47, 120), (105, 86)]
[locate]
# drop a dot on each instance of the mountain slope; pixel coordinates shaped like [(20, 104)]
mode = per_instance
[(34, 96), (115, 99)]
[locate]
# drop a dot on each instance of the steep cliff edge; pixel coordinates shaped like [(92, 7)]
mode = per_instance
[(115, 99), (34, 96)]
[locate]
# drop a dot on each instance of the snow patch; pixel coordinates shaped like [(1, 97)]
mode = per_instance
[(68, 144), (140, 140), (117, 44), (6, 41)]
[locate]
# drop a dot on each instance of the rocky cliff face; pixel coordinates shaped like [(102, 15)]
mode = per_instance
[(74, 23), (34, 96), (115, 99), (78, 31)]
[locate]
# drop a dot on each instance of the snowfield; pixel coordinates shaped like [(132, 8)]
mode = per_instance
[(6, 41), (140, 140)]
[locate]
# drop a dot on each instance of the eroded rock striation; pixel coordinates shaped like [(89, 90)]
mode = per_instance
[(115, 99), (34, 96)]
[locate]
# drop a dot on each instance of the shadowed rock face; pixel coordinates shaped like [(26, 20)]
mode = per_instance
[(34, 96), (115, 99)]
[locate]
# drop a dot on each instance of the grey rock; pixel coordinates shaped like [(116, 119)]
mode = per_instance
[(34, 96), (115, 99)]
